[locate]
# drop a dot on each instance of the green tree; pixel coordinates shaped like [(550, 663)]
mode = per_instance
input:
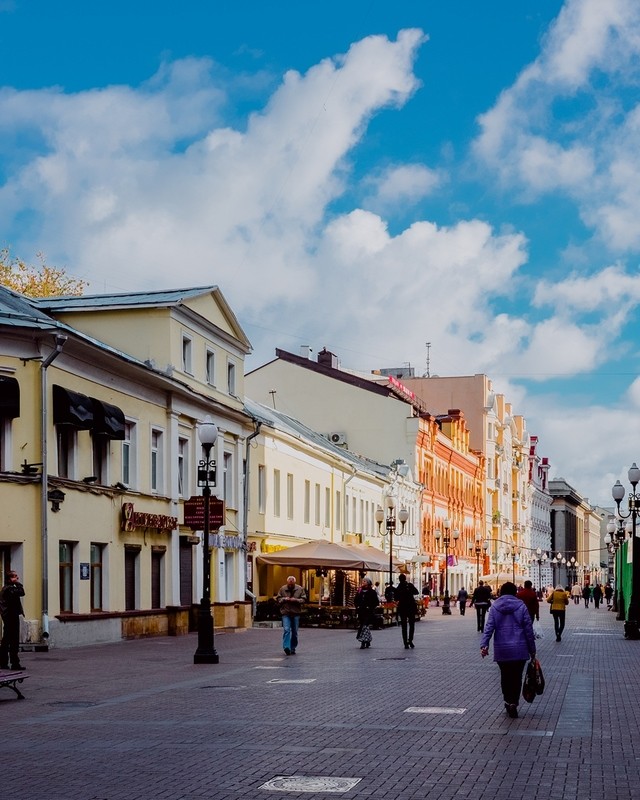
[(36, 281)]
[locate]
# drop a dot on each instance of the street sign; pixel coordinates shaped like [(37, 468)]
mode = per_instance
[(194, 513)]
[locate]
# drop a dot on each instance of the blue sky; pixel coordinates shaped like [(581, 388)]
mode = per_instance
[(363, 176)]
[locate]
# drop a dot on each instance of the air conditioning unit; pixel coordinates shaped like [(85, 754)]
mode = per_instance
[(337, 438)]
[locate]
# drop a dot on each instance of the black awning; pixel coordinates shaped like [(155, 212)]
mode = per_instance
[(72, 408), (108, 420), (9, 397)]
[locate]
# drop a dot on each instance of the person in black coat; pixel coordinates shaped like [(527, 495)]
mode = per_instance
[(10, 611), (366, 601), (406, 610), (481, 599)]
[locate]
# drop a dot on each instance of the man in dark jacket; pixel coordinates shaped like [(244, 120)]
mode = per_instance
[(10, 611), (405, 598), (481, 599), (529, 597), (291, 599)]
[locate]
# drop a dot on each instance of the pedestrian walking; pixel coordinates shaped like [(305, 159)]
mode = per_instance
[(389, 592), (576, 593), (291, 599), (586, 595), (366, 602), (405, 598), (509, 623), (481, 600), (529, 597), (608, 594), (10, 610), (559, 600), (463, 596), (597, 595), (376, 588)]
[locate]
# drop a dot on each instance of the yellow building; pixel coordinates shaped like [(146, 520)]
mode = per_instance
[(100, 399)]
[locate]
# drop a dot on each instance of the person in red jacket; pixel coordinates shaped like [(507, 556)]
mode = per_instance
[(529, 597)]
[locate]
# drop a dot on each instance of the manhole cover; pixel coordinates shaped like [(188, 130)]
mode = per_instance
[(317, 783), (74, 703), (433, 710), (225, 688)]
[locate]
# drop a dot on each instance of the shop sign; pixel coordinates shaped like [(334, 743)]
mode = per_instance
[(194, 512), (132, 519)]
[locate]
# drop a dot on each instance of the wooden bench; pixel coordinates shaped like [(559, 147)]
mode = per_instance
[(10, 678)]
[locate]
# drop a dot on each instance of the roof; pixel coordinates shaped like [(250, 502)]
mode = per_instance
[(282, 422), (21, 311), (162, 297)]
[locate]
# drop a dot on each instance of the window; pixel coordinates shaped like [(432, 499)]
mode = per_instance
[(186, 572), (96, 576), (100, 452), (276, 492), (317, 504), (156, 460), (227, 479), (186, 354), (183, 468), (131, 577), (210, 367), (66, 441), (327, 507), (307, 502), (338, 517), (157, 576), (66, 576), (5, 428), (231, 378), (289, 496), (261, 489), (354, 519), (129, 454)]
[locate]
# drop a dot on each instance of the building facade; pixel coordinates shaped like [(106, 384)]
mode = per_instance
[(100, 451)]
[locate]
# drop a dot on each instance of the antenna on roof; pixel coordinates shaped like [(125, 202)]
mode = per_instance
[(427, 373), (272, 392)]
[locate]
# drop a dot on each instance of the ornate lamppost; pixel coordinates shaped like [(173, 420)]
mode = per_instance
[(388, 516), (478, 548), (446, 541), (632, 623), (539, 559), (206, 652), (614, 538), (514, 554)]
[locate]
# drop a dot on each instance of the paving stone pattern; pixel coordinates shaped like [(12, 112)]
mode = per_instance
[(139, 721)]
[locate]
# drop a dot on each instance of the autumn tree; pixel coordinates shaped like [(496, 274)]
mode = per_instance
[(38, 281)]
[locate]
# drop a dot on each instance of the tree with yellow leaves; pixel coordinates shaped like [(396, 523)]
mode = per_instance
[(42, 281)]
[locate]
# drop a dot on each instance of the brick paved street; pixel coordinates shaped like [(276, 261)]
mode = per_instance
[(139, 720)]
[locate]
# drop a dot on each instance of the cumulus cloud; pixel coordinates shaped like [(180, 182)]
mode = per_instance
[(569, 122), (402, 186)]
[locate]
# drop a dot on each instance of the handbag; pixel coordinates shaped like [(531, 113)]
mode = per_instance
[(364, 634), (533, 681), (537, 629)]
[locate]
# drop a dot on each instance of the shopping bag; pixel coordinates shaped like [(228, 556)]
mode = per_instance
[(529, 684), (537, 629), (364, 634), (538, 677)]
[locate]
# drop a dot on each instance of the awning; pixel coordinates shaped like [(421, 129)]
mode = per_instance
[(327, 555), (72, 408), (108, 420), (9, 397)]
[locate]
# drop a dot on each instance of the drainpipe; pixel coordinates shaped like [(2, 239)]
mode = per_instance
[(60, 341), (245, 511)]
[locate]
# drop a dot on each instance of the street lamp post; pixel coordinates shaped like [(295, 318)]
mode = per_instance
[(206, 652), (446, 541), (540, 560), (632, 623), (614, 539), (477, 548), (513, 553), (388, 516)]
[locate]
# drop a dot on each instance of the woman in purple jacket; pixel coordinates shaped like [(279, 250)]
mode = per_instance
[(510, 623)]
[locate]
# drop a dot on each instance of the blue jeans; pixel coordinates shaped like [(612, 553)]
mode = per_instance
[(290, 625)]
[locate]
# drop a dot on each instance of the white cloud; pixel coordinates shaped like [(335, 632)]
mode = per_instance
[(402, 186), (569, 122)]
